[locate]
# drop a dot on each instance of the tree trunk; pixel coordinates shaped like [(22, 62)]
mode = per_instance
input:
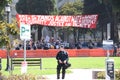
[(8, 57), (39, 32)]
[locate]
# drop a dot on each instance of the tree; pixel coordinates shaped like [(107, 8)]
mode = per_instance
[(97, 7), (112, 8), (116, 18), (7, 30), (116, 4), (72, 8), (36, 7), (107, 11)]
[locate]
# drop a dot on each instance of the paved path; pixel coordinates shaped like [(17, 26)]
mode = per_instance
[(78, 74)]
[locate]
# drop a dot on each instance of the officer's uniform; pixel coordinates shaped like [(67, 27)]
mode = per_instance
[(62, 55)]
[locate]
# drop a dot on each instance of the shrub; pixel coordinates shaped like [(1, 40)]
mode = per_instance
[(117, 75), (22, 77), (2, 77), (101, 75)]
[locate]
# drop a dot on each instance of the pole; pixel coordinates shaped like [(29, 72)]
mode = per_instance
[(8, 54), (24, 49), (24, 63)]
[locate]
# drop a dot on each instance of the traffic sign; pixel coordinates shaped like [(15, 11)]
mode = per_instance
[(25, 32)]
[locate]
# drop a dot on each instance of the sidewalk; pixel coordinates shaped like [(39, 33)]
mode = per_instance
[(78, 74)]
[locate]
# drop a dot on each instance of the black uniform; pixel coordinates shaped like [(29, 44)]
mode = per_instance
[(62, 55)]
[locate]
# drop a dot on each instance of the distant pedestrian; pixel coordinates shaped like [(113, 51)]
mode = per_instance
[(115, 49), (62, 59), (90, 44)]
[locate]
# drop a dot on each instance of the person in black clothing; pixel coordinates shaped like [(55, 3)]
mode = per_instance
[(115, 49), (62, 59)]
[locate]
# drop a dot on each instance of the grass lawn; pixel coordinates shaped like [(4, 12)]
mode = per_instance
[(49, 65)]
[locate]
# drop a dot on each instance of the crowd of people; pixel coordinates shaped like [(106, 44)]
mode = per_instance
[(55, 44)]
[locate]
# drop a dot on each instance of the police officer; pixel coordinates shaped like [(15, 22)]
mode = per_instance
[(62, 58)]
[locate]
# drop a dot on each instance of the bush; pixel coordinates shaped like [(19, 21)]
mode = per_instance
[(22, 77), (117, 75), (101, 75)]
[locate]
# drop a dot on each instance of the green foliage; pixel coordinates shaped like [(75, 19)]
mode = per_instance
[(3, 35), (101, 75), (116, 4), (54, 11), (21, 77), (7, 29), (93, 7), (72, 8), (117, 75), (12, 29), (2, 6), (4, 40), (36, 7)]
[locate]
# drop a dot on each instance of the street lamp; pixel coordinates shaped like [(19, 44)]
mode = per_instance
[(7, 10)]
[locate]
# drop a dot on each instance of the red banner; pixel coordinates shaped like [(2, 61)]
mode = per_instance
[(83, 21)]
